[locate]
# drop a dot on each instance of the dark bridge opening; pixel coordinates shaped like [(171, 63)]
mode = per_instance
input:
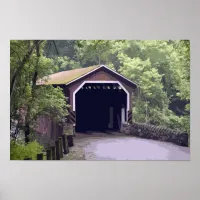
[(100, 107)]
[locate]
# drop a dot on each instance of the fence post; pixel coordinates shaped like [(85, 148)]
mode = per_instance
[(57, 150), (48, 154), (53, 151), (40, 156), (70, 140), (65, 144), (61, 147), (74, 132)]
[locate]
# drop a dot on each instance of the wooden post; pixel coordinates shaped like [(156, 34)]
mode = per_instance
[(119, 123), (57, 150), (74, 132), (70, 140), (122, 115), (110, 125), (48, 154), (40, 156), (53, 152), (61, 147), (65, 144)]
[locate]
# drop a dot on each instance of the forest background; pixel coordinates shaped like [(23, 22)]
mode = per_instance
[(161, 69)]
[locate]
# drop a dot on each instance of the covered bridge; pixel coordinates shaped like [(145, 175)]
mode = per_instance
[(100, 99)]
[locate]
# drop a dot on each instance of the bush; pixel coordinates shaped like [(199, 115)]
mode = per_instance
[(20, 151)]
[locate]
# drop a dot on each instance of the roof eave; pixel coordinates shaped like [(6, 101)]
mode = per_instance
[(101, 66), (83, 75)]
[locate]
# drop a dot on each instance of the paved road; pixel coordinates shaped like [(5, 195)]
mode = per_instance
[(111, 147)]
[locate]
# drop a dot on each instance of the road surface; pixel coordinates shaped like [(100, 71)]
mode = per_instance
[(117, 147)]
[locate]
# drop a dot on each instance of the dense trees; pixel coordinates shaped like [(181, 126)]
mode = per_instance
[(158, 68), (27, 65), (161, 68)]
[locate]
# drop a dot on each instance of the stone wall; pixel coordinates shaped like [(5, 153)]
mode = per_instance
[(156, 133)]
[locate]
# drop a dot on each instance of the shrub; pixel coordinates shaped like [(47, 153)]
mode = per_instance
[(20, 151)]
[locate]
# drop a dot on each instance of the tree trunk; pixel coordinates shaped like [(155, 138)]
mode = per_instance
[(21, 65), (37, 65), (34, 79), (27, 133)]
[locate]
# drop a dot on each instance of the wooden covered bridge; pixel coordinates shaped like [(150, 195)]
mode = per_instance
[(100, 99)]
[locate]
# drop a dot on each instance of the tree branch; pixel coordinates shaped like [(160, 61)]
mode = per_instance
[(55, 47), (21, 65)]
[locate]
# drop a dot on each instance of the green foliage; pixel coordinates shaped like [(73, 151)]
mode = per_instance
[(93, 52), (181, 59), (60, 48), (20, 151), (151, 101), (52, 103), (64, 63), (39, 100), (185, 122), (161, 68)]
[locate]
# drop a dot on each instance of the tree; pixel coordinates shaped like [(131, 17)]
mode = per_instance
[(93, 52), (64, 63), (60, 48), (38, 100), (150, 89), (160, 67), (161, 70)]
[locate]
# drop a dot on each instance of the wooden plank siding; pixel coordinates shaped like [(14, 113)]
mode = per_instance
[(48, 127)]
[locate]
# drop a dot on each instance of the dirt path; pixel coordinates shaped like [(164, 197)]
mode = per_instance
[(116, 147)]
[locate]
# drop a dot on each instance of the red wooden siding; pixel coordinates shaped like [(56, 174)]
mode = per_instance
[(48, 127)]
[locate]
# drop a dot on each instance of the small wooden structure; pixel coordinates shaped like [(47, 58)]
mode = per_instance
[(99, 98)]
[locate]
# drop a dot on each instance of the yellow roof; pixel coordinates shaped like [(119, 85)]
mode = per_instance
[(66, 76)]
